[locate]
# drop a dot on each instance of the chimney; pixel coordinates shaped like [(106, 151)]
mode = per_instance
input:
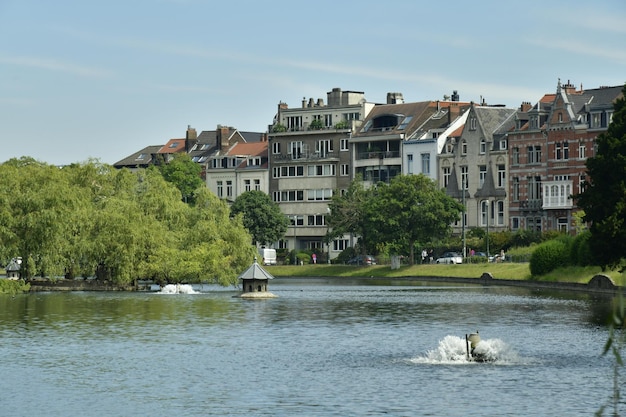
[(455, 95), (303, 102), (222, 133), (311, 102), (191, 137), (525, 106), (395, 98), (569, 88), (191, 133)]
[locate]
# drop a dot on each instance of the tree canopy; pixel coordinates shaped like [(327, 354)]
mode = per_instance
[(261, 216), (184, 174), (410, 209), (604, 197), (90, 219)]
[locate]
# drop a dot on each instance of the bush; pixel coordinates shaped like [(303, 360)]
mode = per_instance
[(580, 252), (549, 256), (345, 255)]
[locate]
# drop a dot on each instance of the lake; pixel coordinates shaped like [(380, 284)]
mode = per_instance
[(322, 348)]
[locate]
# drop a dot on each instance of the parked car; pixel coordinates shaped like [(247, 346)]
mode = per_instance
[(450, 258), (362, 260)]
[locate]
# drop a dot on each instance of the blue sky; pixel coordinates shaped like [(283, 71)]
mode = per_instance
[(103, 79)]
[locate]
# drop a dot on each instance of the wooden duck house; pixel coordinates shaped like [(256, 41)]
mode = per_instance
[(255, 282)]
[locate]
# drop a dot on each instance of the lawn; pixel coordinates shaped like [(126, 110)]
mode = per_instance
[(507, 270)]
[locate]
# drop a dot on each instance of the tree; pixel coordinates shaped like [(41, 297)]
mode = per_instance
[(412, 209), (604, 198), (348, 214), (184, 173), (261, 216)]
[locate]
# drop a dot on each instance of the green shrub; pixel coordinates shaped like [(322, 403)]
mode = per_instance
[(548, 256), (345, 255), (580, 251)]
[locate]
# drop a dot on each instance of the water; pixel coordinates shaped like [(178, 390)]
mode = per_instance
[(320, 349)]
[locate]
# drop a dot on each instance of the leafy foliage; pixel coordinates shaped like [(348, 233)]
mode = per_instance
[(184, 174), (261, 216), (90, 219), (410, 209), (549, 256), (604, 198)]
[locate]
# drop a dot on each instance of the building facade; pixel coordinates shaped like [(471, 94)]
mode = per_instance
[(548, 155), (309, 160)]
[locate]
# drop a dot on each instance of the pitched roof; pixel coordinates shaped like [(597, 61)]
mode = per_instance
[(173, 146), (140, 159), (255, 271), (249, 149)]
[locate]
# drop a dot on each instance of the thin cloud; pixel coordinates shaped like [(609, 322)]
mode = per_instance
[(581, 48), (55, 65)]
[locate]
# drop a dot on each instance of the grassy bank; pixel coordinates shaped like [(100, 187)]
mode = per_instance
[(512, 271)]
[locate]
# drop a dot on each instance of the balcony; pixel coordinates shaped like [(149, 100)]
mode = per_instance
[(378, 155), (557, 195)]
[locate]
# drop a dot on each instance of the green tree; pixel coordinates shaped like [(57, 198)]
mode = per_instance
[(261, 216), (184, 173), (348, 214), (412, 209), (604, 198)]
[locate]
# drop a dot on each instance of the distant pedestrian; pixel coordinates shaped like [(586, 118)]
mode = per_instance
[(314, 256), (424, 255)]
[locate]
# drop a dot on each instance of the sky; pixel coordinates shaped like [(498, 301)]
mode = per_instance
[(104, 79)]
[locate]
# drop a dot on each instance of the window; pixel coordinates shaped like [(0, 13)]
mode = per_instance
[(220, 189), (566, 150), (516, 155), (409, 163), (295, 149), (582, 150), (325, 170), (340, 244), (482, 175), (316, 220), (500, 212), (247, 185), (229, 189), (426, 163), (534, 154), (345, 170), (275, 147), (446, 176), (282, 244), (257, 185), (405, 122), (581, 183), (562, 224), (324, 194), (501, 176), (515, 223), (464, 178), (503, 144), (484, 212), (515, 188), (323, 147), (294, 123), (464, 148), (472, 123), (534, 188), (328, 120), (483, 146), (351, 116), (343, 145), (288, 195)]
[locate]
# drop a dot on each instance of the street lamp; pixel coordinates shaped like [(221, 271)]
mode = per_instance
[(327, 235), (295, 222)]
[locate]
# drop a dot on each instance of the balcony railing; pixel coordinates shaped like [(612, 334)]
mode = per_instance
[(378, 155)]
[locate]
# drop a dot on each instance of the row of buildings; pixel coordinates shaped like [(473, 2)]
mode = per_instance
[(512, 168)]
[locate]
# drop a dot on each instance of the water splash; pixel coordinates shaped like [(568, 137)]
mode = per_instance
[(178, 289), (452, 351)]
